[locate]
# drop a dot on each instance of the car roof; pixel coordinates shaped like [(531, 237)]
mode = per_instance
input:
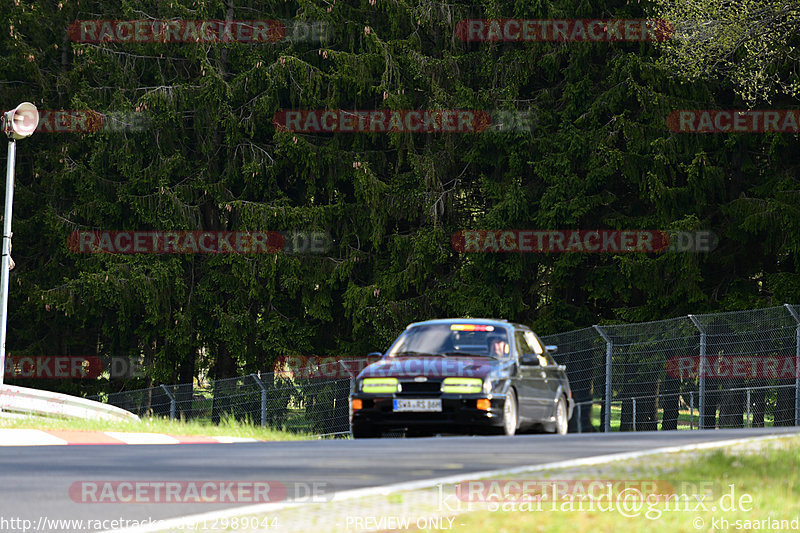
[(486, 321)]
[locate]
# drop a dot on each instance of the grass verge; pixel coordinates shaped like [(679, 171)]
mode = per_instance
[(746, 490), (227, 427)]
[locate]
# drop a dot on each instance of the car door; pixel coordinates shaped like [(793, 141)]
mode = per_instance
[(534, 393), (552, 381)]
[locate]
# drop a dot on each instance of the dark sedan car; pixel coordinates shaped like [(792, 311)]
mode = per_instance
[(462, 376)]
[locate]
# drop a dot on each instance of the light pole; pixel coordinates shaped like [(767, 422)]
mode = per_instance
[(18, 123)]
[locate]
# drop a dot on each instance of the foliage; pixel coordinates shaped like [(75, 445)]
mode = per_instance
[(210, 158)]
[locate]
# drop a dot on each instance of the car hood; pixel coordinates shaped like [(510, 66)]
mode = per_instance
[(432, 367)]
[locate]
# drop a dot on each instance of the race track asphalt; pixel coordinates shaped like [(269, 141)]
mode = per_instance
[(36, 480)]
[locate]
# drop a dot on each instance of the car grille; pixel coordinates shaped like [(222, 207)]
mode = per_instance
[(420, 387)]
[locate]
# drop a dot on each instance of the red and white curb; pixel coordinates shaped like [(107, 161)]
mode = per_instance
[(55, 437)]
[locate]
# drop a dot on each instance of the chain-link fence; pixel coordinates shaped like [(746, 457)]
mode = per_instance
[(738, 369), (315, 402), (710, 371)]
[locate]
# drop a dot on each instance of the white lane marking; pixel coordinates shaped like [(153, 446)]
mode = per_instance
[(28, 437), (142, 438), (267, 508)]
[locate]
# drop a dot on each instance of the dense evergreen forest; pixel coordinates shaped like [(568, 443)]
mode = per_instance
[(207, 155)]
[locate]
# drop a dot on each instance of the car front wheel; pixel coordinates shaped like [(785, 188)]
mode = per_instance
[(561, 417), (510, 414)]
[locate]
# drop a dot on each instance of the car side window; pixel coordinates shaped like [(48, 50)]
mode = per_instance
[(533, 342), (522, 344), (535, 346)]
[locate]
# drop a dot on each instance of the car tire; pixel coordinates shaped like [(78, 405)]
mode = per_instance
[(562, 423), (363, 431), (510, 414)]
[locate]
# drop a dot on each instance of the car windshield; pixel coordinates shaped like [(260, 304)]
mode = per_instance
[(451, 340)]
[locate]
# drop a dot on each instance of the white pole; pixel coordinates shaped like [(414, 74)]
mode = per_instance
[(4, 272)]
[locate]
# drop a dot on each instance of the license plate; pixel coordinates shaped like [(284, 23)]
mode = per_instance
[(419, 406)]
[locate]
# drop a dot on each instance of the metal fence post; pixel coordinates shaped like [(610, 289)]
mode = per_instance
[(748, 408), (796, 364), (580, 423), (634, 414), (609, 350), (691, 410), (172, 405), (702, 408), (352, 390), (263, 399), (352, 376)]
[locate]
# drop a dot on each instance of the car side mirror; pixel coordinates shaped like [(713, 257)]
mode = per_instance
[(377, 355), (529, 359), (552, 348)]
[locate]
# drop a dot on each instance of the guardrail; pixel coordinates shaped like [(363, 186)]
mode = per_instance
[(45, 403)]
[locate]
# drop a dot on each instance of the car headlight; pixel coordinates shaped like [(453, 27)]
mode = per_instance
[(379, 385), (462, 385)]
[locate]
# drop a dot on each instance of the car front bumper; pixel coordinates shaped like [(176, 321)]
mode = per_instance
[(459, 413)]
